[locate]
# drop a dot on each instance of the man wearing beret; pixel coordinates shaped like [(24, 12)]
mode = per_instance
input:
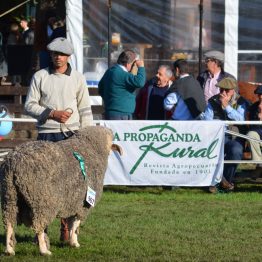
[(214, 61), (255, 114), (228, 105), (59, 99)]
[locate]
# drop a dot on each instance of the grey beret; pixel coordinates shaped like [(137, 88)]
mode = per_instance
[(215, 55), (227, 83), (62, 45)]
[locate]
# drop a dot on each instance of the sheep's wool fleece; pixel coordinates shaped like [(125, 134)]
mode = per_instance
[(42, 180)]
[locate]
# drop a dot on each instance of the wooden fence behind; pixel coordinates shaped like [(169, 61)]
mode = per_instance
[(14, 98)]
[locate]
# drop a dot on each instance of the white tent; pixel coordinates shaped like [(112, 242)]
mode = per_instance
[(74, 19)]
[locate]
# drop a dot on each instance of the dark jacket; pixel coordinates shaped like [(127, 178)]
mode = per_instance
[(28, 37), (192, 94), (219, 112), (253, 116), (202, 78)]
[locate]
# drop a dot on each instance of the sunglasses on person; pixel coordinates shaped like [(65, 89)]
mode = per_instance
[(207, 60), (55, 53), (223, 89)]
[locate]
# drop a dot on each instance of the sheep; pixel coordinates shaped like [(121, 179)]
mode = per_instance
[(42, 180)]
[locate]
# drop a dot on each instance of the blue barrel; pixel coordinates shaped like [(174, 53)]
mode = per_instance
[(5, 126)]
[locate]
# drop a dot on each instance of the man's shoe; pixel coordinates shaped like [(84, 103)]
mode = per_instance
[(226, 185), (213, 189)]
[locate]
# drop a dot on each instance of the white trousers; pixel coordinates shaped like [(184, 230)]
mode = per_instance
[(255, 146)]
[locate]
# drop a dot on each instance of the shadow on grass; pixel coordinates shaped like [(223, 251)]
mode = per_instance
[(157, 190), (249, 187), (246, 185), (19, 238), (134, 189)]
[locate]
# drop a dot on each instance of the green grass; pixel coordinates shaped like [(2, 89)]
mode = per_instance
[(152, 224)]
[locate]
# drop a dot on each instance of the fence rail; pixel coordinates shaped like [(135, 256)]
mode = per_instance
[(6, 143), (14, 98), (24, 128)]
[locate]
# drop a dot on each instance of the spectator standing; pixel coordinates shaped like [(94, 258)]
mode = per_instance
[(149, 101), (228, 105), (3, 65), (58, 98), (14, 38), (28, 40), (214, 61), (51, 20), (59, 29), (43, 31), (27, 33), (118, 85), (185, 98)]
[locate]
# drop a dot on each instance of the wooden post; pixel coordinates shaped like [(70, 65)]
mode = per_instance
[(200, 36), (109, 32)]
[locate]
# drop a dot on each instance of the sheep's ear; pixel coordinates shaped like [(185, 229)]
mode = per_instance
[(117, 148)]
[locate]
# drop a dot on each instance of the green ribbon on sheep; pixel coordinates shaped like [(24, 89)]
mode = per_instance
[(81, 163)]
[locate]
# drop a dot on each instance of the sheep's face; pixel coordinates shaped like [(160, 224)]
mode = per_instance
[(110, 146), (109, 141), (117, 148)]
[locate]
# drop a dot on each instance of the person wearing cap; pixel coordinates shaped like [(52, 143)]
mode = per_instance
[(185, 98), (118, 85), (58, 98), (255, 114), (27, 33), (214, 61), (28, 39), (228, 105)]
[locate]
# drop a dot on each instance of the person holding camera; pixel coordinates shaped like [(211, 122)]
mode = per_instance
[(117, 86)]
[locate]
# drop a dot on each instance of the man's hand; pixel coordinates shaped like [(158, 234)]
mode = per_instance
[(60, 116), (139, 63), (224, 98)]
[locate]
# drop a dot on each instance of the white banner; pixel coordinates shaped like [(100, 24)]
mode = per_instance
[(175, 153)]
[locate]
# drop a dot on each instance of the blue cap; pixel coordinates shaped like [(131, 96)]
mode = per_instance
[(258, 91)]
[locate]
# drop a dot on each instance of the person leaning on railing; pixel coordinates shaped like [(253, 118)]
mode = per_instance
[(227, 105), (255, 114)]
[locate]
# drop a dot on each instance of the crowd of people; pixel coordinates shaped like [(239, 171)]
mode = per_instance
[(20, 40), (21, 33), (174, 94), (59, 100)]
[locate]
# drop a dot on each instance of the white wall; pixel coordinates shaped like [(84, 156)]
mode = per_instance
[(231, 37), (74, 24)]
